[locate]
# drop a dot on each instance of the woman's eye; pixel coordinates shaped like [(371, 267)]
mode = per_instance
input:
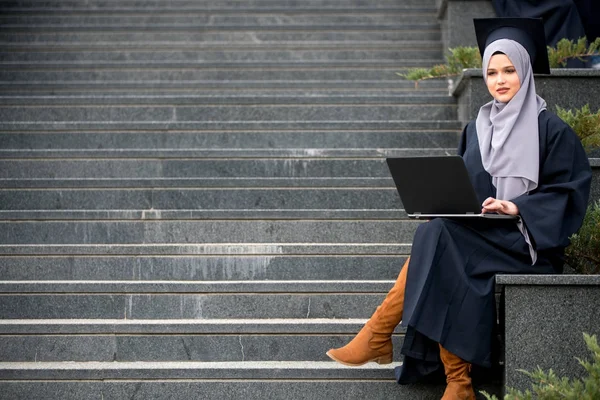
[(491, 73), (510, 71)]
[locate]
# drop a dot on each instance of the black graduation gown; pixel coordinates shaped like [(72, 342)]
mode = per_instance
[(561, 17), (449, 296), (589, 11)]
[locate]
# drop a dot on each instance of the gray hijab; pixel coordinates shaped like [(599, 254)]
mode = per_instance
[(508, 132)]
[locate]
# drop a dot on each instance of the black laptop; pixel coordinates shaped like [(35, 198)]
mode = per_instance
[(437, 186)]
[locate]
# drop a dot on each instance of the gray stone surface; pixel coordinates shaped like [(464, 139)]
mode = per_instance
[(203, 267), (198, 144), (200, 199), (456, 20), (228, 232), (191, 306), (201, 78), (256, 5), (188, 347), (183, 57), (208, 249), (240, 97), (250, 390), (249, 37), (549, 280), (183, 287), (167, 100), (567, 88), (259, 113), (181, 169), (236, 126), (544, 321), (243, 326), (223, 20)]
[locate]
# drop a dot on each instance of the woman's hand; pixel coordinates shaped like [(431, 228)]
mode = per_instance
[(491, 205)]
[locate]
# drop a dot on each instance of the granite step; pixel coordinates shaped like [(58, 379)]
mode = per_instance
[(239, 97), (301, 326), (245, 252), (194, 173), (334, 54), (200, 203), (246, 36), (93, 263), (213, 20), (187, 347), (170, 287), (53, 114), (278, 370), (295, 143), (234, 232), (266, 388), (187, 305), (326, 77), (178, 5), (184, 168), (356, 62), (232, 126)]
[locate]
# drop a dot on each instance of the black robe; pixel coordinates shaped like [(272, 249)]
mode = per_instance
[(450, 294), (561, 17)]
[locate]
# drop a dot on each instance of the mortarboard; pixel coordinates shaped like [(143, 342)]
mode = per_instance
[(529, 32)]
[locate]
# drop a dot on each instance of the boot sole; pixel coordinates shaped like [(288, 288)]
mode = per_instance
[(381, 360)]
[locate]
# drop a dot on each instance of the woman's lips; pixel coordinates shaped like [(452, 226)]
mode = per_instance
[(502, 90)]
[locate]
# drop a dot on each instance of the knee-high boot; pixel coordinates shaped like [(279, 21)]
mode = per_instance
[(458, 379), (374, 341)]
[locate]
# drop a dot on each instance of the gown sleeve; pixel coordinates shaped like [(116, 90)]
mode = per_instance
[(555, 209)]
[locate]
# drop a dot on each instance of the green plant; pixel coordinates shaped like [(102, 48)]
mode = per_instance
[(566, 49), (583, 255), (463, 57), (457, 59), (547, 386), (585, 124)]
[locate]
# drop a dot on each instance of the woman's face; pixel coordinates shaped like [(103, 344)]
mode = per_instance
[(502, 79)]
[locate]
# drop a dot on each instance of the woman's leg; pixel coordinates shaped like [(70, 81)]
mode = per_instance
[(458, 378), (374, 341)]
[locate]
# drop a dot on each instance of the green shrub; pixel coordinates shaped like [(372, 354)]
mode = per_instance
[(547, 386), (583, 255), (463, 57), (566, 49), (585, 124), (458, 59)]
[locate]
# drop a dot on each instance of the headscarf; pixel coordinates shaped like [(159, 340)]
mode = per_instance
[(508, 133)]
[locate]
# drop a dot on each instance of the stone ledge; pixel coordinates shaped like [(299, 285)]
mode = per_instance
[(544, 318), (548, 280), (567, 88)]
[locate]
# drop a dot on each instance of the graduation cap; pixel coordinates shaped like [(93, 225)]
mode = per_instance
[(529, 32)]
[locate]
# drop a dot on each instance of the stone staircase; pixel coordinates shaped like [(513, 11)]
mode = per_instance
[(194, 200)]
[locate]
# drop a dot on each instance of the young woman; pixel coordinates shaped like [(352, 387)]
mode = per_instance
[(522, 160)]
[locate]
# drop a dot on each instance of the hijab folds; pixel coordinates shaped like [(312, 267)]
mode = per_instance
[(508, 132)]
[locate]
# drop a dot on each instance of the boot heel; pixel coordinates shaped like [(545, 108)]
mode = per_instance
[(386, 359)]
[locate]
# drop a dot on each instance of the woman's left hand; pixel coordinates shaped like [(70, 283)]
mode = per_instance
[(491, 205)]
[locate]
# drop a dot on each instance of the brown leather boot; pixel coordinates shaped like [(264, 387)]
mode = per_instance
[(458, 380), (374, 341)]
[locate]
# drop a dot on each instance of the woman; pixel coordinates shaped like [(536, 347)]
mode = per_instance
[(522, 160)]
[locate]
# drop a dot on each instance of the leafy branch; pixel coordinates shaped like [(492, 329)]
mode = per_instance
[(567, 49), (585, 124), (548, 386), (463, 57)]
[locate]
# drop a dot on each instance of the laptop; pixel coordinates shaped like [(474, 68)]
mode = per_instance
[(437, 186)]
